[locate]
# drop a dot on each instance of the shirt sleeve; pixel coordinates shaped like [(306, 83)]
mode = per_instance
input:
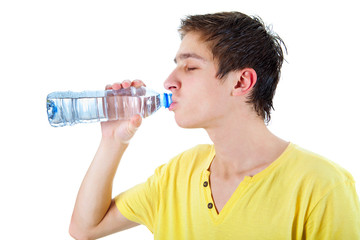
[(336, 215), (141, 203)]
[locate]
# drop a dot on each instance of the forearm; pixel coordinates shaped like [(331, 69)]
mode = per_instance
[(94, 197)]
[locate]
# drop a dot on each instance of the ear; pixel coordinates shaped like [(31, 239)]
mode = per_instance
[(245, 81)]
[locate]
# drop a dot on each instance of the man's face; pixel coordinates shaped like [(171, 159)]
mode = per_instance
[(200, 100)]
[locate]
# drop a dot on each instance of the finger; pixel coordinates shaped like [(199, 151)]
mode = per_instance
[(138, 83), (116, 86), (132, 127), (126, 84), (136, 121), (108, 87)]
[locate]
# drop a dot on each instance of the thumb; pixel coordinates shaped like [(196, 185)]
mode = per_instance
[(133, 124)]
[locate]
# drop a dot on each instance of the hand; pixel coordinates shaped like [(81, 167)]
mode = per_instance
[(121, 131)]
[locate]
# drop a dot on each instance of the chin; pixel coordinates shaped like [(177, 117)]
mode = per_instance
[(188, 122)]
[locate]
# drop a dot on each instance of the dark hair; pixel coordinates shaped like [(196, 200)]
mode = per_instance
[(238, 41)]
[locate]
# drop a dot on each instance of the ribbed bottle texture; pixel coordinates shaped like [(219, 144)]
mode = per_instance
[(69, 108)]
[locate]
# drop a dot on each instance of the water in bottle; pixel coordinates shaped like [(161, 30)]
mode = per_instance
[(69, 108)]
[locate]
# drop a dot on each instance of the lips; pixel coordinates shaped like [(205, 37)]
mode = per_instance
[(174, 103), (172, 106)]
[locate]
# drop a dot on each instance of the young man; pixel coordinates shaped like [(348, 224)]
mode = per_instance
[(249, 184)]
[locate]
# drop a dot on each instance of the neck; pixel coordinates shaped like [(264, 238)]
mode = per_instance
[(243, 147)]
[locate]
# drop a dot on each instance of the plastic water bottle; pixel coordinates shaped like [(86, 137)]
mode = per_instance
[(69, 108)]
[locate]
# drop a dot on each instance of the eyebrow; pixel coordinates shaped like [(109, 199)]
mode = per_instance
[(189, 55)]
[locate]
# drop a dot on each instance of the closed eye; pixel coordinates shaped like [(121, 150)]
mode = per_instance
[(191, 69)]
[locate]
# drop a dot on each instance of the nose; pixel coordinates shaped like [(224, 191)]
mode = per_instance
[(172, 83)]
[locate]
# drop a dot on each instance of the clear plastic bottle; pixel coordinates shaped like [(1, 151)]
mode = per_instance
[(69, 108)]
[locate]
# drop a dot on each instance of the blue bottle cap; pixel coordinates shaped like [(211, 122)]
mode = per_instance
[(166, 100)]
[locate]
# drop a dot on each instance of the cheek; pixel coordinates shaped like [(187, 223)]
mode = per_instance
[(191, 115), (216, 105), (197, 114)]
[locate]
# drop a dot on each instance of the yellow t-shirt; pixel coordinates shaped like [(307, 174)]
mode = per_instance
[(299, 196)]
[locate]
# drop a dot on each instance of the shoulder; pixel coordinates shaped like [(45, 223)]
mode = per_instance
[(197, 150), (194, 155), (314, 168), (188, 161), (311, 178)]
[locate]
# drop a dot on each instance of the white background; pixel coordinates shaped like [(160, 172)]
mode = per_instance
[(74, 45)]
